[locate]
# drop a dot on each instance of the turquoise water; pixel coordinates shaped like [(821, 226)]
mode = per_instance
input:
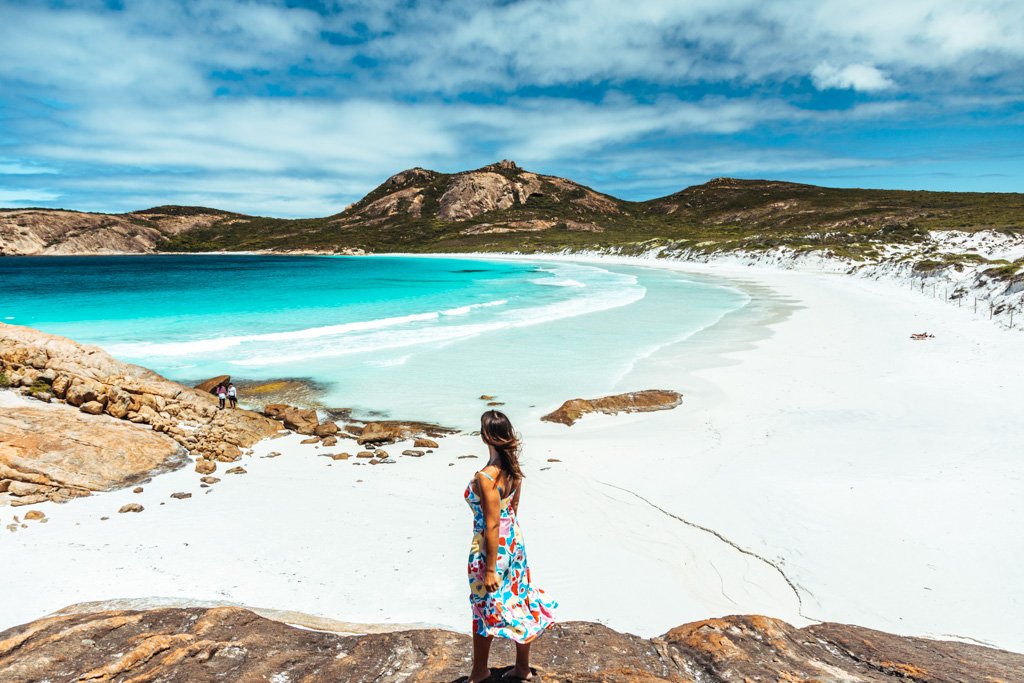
[(412, 338)]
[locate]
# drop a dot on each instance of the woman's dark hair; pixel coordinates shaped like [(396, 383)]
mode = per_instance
[(497, 431)]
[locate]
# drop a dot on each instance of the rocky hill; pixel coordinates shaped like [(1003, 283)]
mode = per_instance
[(502, 207), (193, 645), (57, 232)]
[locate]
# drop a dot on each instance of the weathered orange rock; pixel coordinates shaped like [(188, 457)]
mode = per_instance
[(208, 386), (633, 402), (131, 507), (87, 375), (300, 420), (200, 645), (204, 466), (390, 431), (55, 452)]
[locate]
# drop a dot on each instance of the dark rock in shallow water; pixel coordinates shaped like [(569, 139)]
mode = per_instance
[(196, 645)]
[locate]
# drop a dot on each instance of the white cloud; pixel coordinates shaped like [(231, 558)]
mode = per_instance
[(862, 77), (25, 197)]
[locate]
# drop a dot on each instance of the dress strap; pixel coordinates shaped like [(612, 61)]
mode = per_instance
[(493, 480)]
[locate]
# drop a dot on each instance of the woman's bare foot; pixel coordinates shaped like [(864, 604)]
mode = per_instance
[(515, 674), (479, 676)]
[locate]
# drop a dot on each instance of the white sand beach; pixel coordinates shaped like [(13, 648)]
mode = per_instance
[(823, 466)]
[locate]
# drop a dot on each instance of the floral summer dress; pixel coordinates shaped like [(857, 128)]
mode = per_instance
[(518, 610)]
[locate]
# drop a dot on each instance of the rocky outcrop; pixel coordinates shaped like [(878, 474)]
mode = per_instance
[(633, 402), (472, 194), (86, 375), (301, 420), (54, 231), (195, 645), (54, 452), (390, 431), (210, 385)]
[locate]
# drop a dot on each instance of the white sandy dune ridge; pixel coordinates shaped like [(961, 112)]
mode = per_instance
[(962, 283), (823, 466)]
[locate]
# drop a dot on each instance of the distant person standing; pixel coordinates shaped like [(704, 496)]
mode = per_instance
[(232, 396), (222, 394)]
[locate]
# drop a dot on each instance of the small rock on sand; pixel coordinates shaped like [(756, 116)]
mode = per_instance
[(312, 439), (209, 480), (137, 489), (341, 456), (181, 495), (487, 397), (424, 443), (204, 466), (131, 507), (463, 457), (35, 514), (364, 454), (237, 470), (413, 453), (330, 441), (554, 460), (495, 403)]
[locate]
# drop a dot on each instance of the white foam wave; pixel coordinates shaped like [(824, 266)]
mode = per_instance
[(463, 310), (557, 282), (222, 343), (622, 292), (389, 362)]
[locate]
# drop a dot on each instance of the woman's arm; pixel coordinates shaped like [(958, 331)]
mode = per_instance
[(491, 503), (515, 496)]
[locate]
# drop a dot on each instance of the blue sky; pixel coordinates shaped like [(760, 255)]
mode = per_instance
[(300, 108)]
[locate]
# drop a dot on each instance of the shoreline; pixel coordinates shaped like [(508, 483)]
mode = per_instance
[(761, 453)]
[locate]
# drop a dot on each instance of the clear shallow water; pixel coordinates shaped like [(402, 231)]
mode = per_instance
[(416, 338)]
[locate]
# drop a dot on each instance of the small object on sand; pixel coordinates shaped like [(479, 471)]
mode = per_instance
[(137, 489), (204, 466), (487, 397), (413, 453), (181, 495), (341, 456), (237, 470), (364, 454), (495, 403), (918, 336), (464, 457), (312, 439), (554, 460), (35, 514), (209, 480), (103, 519), (271, 454), (131, 507)]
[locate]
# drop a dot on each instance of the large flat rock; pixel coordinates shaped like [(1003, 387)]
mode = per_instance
[(55, 452), (194, 645)]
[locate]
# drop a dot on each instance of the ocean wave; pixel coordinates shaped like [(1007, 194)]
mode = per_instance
[(557, 282), (624, 292), (604, 290), (199, 346), (463, 310)]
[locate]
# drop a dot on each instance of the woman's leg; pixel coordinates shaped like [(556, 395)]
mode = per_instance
[(481, 653), (522, 667)]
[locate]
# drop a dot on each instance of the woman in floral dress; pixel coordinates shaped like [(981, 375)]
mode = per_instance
[(504, 601)]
